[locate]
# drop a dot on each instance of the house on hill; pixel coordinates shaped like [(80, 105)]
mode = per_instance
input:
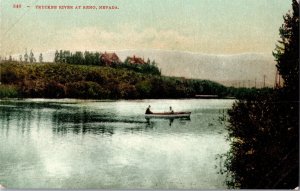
[(110, 58), (135, 60)]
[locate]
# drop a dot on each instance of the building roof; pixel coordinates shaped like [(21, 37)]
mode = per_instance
[(109, 58), (135, 60)]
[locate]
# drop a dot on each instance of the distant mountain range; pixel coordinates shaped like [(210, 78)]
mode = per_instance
[(237, 70), (246, 69)]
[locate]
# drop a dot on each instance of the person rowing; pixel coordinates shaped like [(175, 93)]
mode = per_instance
[(148, 111), (171, 110)]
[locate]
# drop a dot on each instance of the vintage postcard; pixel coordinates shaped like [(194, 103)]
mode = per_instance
[(149, 94)]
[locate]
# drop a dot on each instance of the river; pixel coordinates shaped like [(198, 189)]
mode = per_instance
[(74, 144)]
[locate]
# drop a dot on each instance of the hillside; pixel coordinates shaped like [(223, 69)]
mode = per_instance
[(53, 80), (238, 70)]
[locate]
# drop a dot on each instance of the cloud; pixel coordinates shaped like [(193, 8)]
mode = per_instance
[(124, 37), (97, 38), (131, 37)]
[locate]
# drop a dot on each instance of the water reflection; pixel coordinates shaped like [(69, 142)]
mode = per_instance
[(82, 129), (67, 118), (182, 121), (82, 121), (95, 145), (10, 115), (64, 119)]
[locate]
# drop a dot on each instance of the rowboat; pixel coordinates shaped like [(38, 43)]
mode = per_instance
[(169, 115)]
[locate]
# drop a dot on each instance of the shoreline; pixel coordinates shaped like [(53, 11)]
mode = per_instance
[(109, 100)]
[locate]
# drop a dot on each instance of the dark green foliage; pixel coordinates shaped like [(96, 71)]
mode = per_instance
[(91, 58), (264, 128), (128, 91), (33, 88), (144, 88), (54, 90), (13, 73), (86, 89), (8, 91), (264, 149), (146, 68), (56, 57), (287, 51), (40, 58), (79, 58), (80, 81), (247, 93), (26, 56), (31, 57)]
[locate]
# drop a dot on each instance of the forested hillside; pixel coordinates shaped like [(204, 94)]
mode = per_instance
[(95, 75), (59, 80)]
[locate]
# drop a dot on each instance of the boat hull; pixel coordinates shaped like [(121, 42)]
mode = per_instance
[(169, 115)]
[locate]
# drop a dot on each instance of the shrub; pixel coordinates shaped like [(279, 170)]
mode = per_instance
[(8, 91)]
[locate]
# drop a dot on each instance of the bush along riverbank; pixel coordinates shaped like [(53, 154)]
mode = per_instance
[(60, 80), (8, 91)]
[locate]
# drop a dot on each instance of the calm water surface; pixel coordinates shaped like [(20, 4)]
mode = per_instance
[(48, 143)]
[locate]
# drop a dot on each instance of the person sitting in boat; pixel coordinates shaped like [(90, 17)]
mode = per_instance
[(171, 110), (148, 111)]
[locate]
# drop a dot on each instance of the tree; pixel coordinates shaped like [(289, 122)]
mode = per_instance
[(264, 128), (78, 58), (31, 57), (66, 56), (61, 57), (287, 51), (26, 56), (97, 59), (41, 58), (56, 57), (20, 58)]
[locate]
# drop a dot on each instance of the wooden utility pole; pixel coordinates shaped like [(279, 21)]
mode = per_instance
[(264, 81)]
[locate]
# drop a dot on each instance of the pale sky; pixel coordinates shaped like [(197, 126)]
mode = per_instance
[(202, 26)]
